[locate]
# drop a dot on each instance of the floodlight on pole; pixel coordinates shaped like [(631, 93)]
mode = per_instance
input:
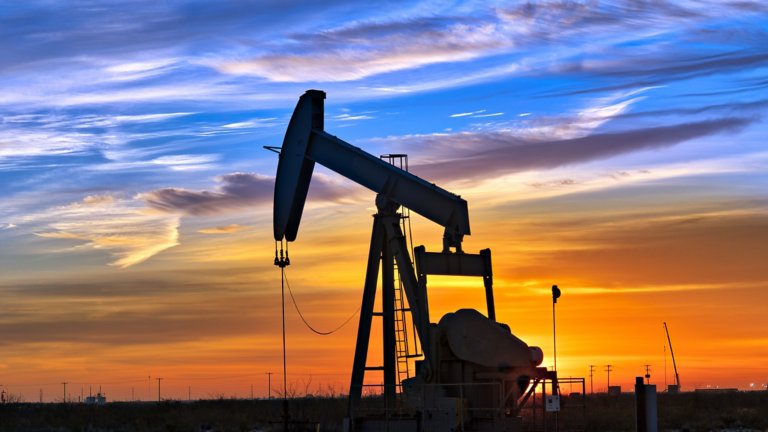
[(555, 296)]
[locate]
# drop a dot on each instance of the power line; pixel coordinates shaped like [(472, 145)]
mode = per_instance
[(321, 333)]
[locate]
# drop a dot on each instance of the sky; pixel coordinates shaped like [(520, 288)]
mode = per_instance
[(614, 148)]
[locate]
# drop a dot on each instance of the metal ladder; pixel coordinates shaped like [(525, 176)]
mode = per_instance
[(407, 347)]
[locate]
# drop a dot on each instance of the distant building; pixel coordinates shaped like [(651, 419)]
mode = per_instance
[(99, 399), (614, 390)]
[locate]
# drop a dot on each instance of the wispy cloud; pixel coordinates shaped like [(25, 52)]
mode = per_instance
[(368, 49), (253, 123), (186, 162), (352, 117), (465, 114), (234, 192), (506, 152), (123, 227), (224, 229), (28, 136), (648, 289)]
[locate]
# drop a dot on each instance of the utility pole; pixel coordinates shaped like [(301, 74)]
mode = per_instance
[(65, 391), (132, 397), (665, 367), (251, 391), (608, 369), (189, 393), (648, 374), (591, 381), (41, 395), (158, 389), (269, 385)]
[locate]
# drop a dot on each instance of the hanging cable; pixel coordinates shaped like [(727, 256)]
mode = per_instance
[(309, 326), (281, 262), (285, 371)]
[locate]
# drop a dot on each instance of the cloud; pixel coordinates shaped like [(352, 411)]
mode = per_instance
[(24, 138), (18, 143), (506, 152), (367, 49), (224, 229), (253, 123), (98, 199), (466, 114), (235, 191), (123, 227), (352, 117), (186, 162), (634, 70), (375, 47), (685, 248)]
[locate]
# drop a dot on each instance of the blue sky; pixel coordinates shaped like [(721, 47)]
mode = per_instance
[(131, 134), (122, 100)]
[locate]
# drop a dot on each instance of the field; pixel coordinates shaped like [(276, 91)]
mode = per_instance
[(744, 411)]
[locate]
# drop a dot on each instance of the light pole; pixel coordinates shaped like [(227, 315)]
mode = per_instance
[(269, 385), (555, 296), (65, 391)]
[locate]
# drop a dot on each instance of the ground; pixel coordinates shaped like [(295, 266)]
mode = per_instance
[(743, 411)]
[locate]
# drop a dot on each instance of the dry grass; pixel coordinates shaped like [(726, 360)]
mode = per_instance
[(745, 411)]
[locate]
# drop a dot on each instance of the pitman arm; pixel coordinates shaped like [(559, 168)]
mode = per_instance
[(306, 143)]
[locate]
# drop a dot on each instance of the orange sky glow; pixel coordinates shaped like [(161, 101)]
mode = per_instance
[(614, 148)]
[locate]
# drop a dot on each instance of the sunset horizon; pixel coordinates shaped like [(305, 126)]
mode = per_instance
[(616, 150)]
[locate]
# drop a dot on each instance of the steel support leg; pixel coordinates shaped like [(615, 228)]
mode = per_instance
[(388, 324), (366, 316)]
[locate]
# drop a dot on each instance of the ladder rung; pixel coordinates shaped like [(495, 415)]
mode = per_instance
[(374, 368)]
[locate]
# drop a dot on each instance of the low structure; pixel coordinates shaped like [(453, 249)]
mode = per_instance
[(99, 399)]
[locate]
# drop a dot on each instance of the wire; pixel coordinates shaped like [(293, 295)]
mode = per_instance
[(309, 326)]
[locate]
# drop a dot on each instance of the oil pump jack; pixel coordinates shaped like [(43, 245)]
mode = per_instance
[(475, 374)]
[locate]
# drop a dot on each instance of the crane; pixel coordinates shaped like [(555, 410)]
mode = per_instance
[(674, 364), (465, 337)]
